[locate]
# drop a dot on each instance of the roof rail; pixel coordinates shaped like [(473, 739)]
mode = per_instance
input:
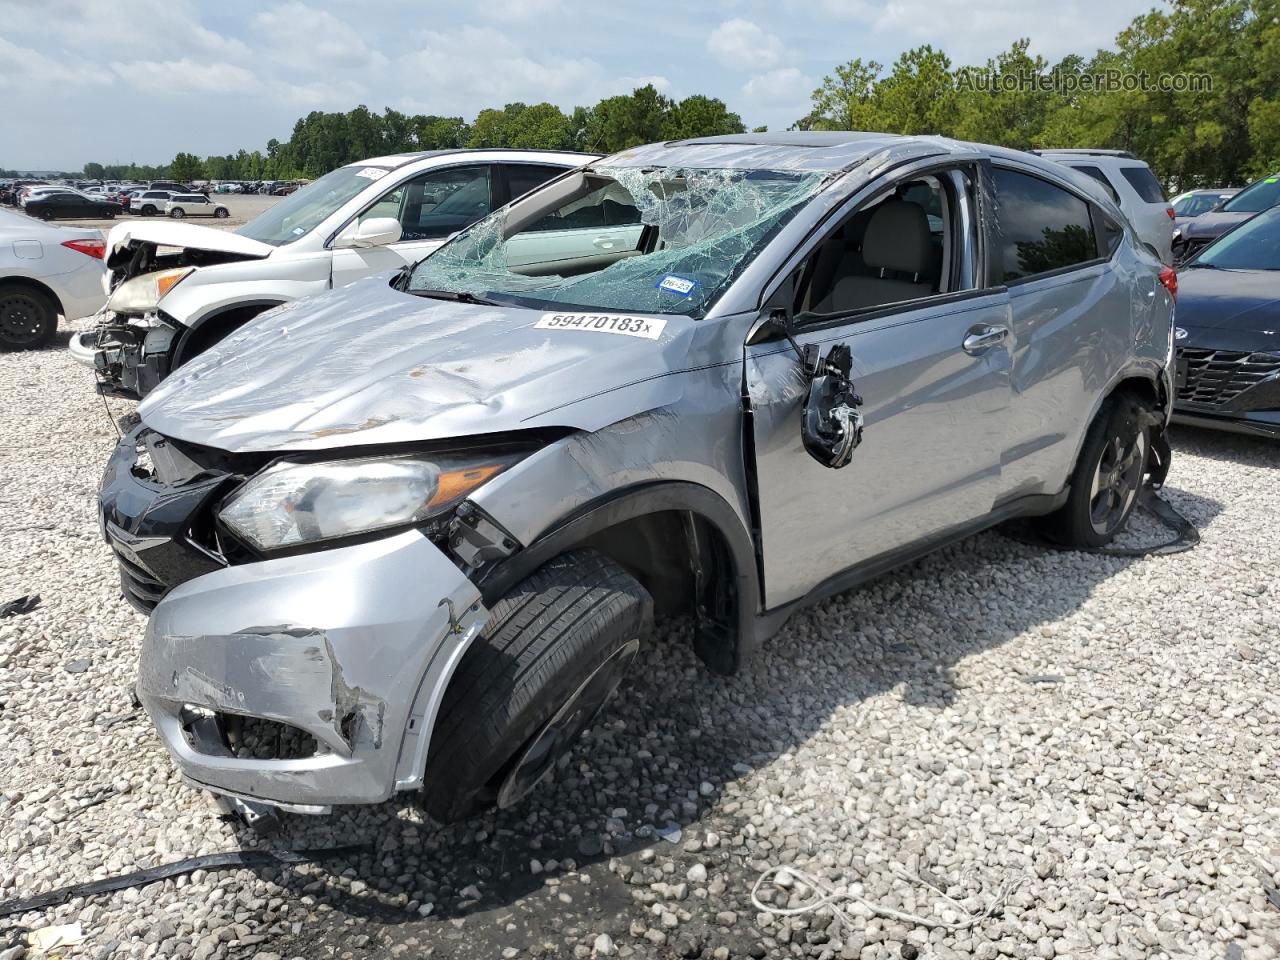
[(1087, 151)]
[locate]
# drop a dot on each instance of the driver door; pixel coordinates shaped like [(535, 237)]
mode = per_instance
[(934, 398)]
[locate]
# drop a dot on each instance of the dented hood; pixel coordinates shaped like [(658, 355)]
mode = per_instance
[(368, 364), (167, 233)]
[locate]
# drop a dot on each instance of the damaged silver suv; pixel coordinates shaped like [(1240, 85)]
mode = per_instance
[(408, 535)]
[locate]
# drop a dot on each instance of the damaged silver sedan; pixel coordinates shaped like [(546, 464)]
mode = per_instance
[(407, 536)]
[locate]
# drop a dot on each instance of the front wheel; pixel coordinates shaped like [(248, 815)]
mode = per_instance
[(554, 651), (45, 214), (177, 213), (222, 213), (1107, 477)]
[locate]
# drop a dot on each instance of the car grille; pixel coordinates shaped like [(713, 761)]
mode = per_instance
[(1216, 377), (141, 589), (1193, 246)]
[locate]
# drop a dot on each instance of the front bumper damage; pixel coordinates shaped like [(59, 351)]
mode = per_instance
[(131, 355), (348, 649)]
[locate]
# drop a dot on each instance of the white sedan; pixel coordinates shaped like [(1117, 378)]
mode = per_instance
[(45, 271)]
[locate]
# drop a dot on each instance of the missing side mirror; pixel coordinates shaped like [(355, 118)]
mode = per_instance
[(831, 426)]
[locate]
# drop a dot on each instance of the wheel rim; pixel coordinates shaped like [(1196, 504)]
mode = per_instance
[(21, 318), (1116, 481), (553, 741)]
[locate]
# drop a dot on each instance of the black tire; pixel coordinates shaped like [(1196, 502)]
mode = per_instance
[(1116, 452), (28, 318), (45, 214), (177, 213), (148, 211), (572, 626), (222, 213)]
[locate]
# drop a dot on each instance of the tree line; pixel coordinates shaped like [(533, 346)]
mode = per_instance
[(1223, 130)]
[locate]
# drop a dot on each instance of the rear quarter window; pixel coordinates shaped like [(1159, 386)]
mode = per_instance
[(1040, 228), (1097, 174), (1144, 183)]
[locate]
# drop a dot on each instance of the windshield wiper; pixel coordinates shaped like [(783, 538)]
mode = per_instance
[(458, 296)]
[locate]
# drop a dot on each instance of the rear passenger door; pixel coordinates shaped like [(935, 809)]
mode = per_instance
[(1071, 318), (904, 291)]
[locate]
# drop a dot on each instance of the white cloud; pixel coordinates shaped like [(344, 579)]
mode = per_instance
[(465, 70), (164, 27), (506, 11), (740, 44), (22, 68), (785, 86), (305, 39), (178, 77)]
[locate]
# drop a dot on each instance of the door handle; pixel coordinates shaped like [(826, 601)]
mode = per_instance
[(983, 337)]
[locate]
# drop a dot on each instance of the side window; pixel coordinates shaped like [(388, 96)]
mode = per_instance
[(1144, 183), (1040, 228), (610, 207), (1097, 174), (898, 248), (523, 177), (438, 203), (1109, 232)]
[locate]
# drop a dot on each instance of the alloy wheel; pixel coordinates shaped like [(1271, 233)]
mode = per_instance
[(1116, 481)]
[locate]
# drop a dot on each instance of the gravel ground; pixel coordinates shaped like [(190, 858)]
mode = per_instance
[(1100, 732)]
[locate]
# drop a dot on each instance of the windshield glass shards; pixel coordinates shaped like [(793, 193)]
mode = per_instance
[(648, 240)]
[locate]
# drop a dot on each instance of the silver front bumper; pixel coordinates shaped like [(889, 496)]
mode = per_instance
[(83, 347), (351, 646)]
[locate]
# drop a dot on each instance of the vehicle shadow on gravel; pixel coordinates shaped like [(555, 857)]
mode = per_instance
[(1220, 445), (676, 735)]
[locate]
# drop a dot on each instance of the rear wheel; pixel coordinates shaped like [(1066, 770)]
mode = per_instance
[(148, 211), (555, 650), (1107, 477), (28, 318)]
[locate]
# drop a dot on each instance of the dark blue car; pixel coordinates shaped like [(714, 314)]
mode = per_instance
[(1228, 331), (1204, 229)]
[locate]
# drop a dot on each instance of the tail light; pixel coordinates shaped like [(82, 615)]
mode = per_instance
[(1169, 277), (1169, 211), (90, 248)]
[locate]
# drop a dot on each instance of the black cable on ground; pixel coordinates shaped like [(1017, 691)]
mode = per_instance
[(232, 859)]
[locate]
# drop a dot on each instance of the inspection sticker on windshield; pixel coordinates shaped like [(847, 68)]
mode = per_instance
[(648, 327), (679, 285), (371, 173)]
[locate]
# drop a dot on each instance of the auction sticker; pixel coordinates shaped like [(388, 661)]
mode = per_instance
[(648, 327)]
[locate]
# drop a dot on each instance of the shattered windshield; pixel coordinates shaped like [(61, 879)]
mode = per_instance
[(662, 240), (299, 212)]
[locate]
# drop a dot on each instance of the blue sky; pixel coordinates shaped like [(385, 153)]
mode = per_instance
[(140, 80)]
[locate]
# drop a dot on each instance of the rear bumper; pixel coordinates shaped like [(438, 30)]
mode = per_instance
[(351, 647)]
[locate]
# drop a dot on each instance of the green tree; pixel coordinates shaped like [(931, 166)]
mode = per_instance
[(617, 123), (846, 100), (94, 171), (699, 116), (186, 167), (918, 95)]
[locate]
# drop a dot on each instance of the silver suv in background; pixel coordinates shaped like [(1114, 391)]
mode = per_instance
[(1132, 186), (148, 203), (407, 536)]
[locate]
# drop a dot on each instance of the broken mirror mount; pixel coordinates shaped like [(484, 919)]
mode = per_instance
[(830, 425)]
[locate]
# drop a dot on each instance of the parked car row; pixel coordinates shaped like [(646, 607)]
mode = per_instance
[(725, 376)]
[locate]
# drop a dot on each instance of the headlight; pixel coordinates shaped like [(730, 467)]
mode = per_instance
[(143, 294), (295, 503)]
